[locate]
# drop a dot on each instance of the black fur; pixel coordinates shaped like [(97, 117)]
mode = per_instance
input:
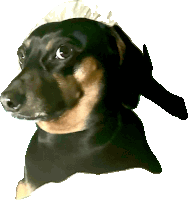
[(114, 139)]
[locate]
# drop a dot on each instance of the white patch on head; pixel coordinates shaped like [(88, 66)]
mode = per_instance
[(71, 9)]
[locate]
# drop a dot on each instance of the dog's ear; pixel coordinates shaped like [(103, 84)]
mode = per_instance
[(136, 78), (132, 67)]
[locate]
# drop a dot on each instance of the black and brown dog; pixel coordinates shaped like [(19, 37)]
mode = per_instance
[(79, 80)]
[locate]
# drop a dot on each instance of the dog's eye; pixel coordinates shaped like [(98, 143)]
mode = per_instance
[(21, 58), (63, 52)]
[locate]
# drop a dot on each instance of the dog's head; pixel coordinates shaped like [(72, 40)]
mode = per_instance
[(69, 69)]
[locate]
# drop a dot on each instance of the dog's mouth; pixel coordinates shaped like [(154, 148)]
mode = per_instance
[(37, 117)]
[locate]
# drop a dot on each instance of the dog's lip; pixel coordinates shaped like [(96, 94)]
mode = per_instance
[(36, 117)]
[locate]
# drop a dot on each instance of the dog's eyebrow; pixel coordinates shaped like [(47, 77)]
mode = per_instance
[(78, 36), (21, 48)]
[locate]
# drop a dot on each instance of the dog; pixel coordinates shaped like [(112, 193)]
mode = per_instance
[(79, 82)]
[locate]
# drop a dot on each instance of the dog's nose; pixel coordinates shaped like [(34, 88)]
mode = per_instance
[(12, 102)]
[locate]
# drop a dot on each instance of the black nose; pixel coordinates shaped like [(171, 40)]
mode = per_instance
[(11, 101)]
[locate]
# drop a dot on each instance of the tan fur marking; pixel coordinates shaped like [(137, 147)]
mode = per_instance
[(27, 43), (68, 84), (23, 190), (120, 44), (121, 47), (49, 45), (89, 77)]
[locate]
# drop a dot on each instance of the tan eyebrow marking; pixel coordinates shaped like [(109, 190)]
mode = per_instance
[(49, 45), (27, 42)]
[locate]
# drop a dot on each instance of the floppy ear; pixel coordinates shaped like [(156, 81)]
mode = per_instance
[(136, 78)]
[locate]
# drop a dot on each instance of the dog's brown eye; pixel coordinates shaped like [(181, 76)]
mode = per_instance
[(21, 58), (20, 62), (63, 52)]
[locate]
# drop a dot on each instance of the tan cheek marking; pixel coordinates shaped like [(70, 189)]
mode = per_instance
[(73, 120), (23, 190), (69, 86)]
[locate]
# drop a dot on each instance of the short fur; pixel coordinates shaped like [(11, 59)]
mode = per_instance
[(82, 101)]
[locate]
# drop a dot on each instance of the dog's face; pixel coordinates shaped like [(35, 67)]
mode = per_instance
[(64, 65)]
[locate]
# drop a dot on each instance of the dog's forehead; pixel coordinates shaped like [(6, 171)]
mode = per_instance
[(79, 28)]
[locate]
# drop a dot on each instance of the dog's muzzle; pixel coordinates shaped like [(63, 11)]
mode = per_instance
[(12, 102)]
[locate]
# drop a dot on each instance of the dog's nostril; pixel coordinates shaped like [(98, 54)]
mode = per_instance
[(12, 105), (12, 102)]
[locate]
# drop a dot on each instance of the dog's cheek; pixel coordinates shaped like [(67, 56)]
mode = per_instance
[(70, 89)]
